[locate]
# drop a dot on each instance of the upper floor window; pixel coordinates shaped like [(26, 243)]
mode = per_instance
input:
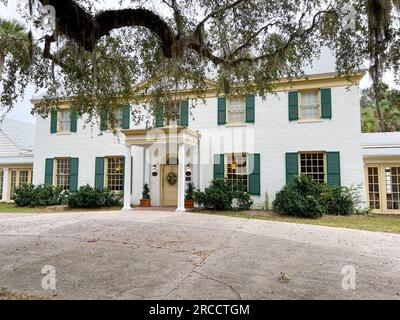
[(237, 110), (62, 173), (64, 121), (237, 168), (118, 115), (309, 105), (175, 115), (312, 164), (114, 171)]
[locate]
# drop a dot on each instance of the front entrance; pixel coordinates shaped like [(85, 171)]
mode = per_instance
[(383, 187), (169, 185)]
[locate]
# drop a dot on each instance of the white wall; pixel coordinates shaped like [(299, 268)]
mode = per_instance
[(272, 135)]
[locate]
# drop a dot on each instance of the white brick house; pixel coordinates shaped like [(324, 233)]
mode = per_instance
[(308, 126)]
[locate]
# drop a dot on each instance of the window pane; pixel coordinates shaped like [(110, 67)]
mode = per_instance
[(312, 165), (65, 120), (13, 183), (237, 169), (115, 173), (118, 118), (309, 105), (237, 110), (373, 188), (62, 174)]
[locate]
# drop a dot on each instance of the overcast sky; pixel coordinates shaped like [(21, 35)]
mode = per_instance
[(23, 108)]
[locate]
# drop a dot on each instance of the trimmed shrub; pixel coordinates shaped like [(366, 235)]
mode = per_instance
[(29, 195), (220, 194), (310, 199), (88, 197)]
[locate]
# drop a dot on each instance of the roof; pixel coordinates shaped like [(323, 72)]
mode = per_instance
[(22, 134), (381, 144)]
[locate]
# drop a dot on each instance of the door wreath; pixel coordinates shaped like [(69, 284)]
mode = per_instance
[(172, 178)]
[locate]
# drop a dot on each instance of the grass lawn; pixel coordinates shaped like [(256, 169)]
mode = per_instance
[(382, 223), (12, 208)]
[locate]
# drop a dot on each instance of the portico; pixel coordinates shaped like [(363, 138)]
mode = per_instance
[(164, 149)]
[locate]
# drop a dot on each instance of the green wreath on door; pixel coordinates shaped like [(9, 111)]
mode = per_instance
[(172, 178)]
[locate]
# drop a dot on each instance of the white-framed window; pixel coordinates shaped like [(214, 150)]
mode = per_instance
[(18, 178), (1, 184), (312, 165), (62, 173), (118, 118), (237, 168), (175, 115), (64, 121), (237, 110), (309, 105), (114, 173)]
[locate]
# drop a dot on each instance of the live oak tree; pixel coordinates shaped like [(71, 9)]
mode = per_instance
[(97, 54)]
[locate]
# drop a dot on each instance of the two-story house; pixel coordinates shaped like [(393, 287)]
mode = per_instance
[(306, 126)]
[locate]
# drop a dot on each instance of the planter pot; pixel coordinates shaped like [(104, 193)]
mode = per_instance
[(189, 204), (145, 202)]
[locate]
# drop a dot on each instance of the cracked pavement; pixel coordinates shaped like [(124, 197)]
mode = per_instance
[(170, 255)]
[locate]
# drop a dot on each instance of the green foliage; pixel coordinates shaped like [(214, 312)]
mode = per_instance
[(146, 191), (29, 195), (88, 197), (189, 194), (382, 117), (309, 199), (220, 194)]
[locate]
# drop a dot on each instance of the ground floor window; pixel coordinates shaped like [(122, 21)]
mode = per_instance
[(373, 188), (18, 178), (237, 168), (312, 165), (383, 187), (1, 184), (62, 173), (392, 182), (114, 173)]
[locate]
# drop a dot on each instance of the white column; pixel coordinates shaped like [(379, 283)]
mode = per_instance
[(181, 177), (127, 179), (4, 196)]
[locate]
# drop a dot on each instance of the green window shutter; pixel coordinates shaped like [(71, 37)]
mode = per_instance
[(326, 103), (160, 117), (73, 174), (184, 113), (254, 177), (126, 116), (250, 108), (219, 168), (99, 173), (292, 166), (221, 110), (293, 105), (74, 121), (53, 121), (103, 121), (48, 171), (333, 168)]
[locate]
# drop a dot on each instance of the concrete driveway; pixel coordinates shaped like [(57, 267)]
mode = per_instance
[(168, 255)]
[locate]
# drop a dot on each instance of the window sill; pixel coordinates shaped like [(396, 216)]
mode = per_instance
[(64, 133), (233, 125), (310, 120)]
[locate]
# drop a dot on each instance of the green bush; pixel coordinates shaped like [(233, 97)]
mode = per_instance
[(29, 195), (220, 194), (189, 193), (88, 197), (309, 199)]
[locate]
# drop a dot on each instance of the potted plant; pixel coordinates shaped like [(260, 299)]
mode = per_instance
[(145, 201), (189, 203)]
